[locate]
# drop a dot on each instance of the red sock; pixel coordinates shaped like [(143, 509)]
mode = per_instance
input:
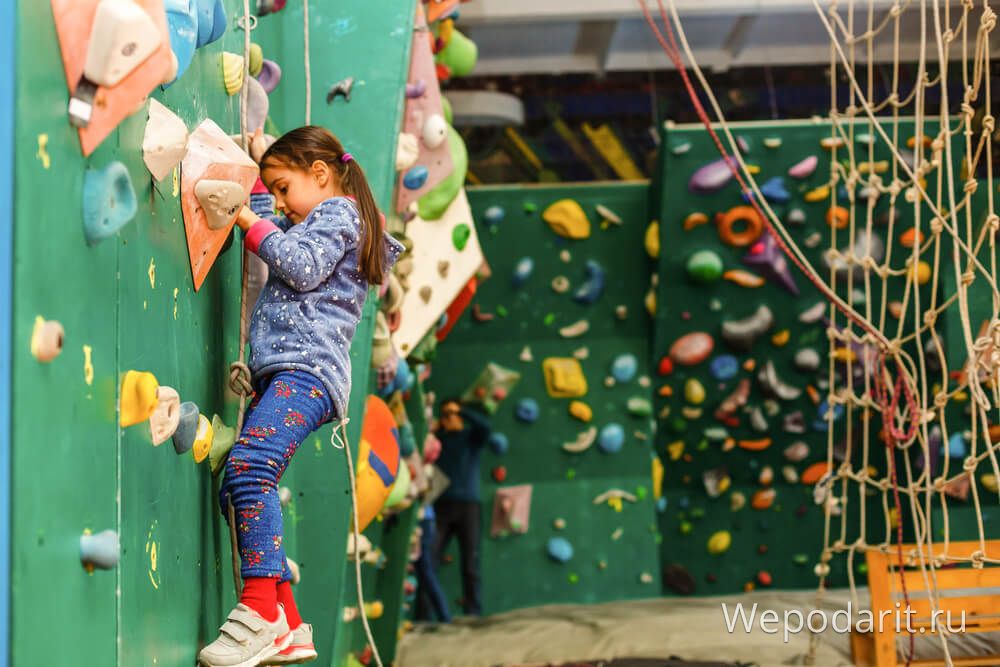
[(261, 595), (287, 600)]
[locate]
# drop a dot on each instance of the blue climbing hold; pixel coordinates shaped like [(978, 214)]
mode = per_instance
[(187, 427), (220, 22), (494, 215), (523, 270), (683, 502), (407, 441), (774, 190), (724, 367), (560, 550), (182, 22), (593, 286), (611, 438), (498, 443), (661, 504), (624, 367), (206, 21), (526, 410), (415, 177), (109, 201), (956, 446), (820, 423)]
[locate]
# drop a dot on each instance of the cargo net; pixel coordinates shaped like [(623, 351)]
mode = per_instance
[(911, 200)]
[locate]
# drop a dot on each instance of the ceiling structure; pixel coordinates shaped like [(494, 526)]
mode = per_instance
[(597, 36)]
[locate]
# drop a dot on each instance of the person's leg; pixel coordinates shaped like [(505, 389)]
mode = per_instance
[(468, 544), (434, 593), (444, 510)]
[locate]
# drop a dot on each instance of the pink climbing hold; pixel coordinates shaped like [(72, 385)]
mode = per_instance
[(692, 349), (805, 168), (711, 177)]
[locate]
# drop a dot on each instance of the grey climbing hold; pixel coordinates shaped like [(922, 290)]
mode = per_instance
[(797, 452), (741, 334), (187, 427), (794, 422), (807, 359), (340, 89), (101, 551), (866, 246), (796, 216), (814, 313), (757, 420), (774, 386)]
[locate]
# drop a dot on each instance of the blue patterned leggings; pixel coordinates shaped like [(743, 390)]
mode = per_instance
[(279, 419)]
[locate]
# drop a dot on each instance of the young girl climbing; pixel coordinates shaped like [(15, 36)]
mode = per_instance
[(323, 251)]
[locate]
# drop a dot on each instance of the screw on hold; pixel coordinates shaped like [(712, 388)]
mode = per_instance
[(343, 88), (100, 551)]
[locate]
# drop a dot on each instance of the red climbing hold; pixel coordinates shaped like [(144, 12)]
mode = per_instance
[(666, 366), (764, 578), (499, 473)]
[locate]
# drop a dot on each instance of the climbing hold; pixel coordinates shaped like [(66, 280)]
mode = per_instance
[(202, 439), (522, 271), (639, 406), (838, 217), (757, 420), (825, 415), (100, 551), (435, 131), (704, 266), (719, 542), (560, 284), (766, 476), (232, 72), (564, 377), (499, 443), (677, 578), (138, 397), (804, 168), (651, 240), (611, 438), (866, 246), (763, 499), (559, 549), (694, 391), (415, 177), (921, 273), (559, 523), (187, 427), (580, 410), (460, 236), (715, 433), (581, 353), (829, 143), (680, 148), (269, 76), (493, 215), (621, 312), (755, 445), (744, 278), (739, 226), (593, 286), (772, 142), (710, 177), (575, 330), (764, 578), (774, 386), (796, 216), (813, 314), (342, 88), (716, 481), (741, 334), (221, 201), (989, 482), (284, 496), (790, 474), (526, 355), (258, 105), (814, 473), (807, 360), (736, 400), (817, 194), (223, 438), (46, 339), (694, 220), (774, 190), (567, 219), (256, 59), (499, 474), (692, 349), (526, 410), (109, 201), (956, 446), (607, 215), (582, 442), (767, 258), (166, 415), (724, 367), (781, 338), (624, 367), (407, 154), (164, 142), (666, 366)]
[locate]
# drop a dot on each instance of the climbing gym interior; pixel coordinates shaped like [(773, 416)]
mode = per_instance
[(499, 333)]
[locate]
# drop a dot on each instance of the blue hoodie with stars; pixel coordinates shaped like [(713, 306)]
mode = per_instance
[(308, 311)]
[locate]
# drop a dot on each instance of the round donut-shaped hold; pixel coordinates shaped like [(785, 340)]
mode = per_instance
[(730, 231), (46, 340)]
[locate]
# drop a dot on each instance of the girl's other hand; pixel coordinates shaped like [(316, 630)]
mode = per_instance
[(246, 218), (259, 143)]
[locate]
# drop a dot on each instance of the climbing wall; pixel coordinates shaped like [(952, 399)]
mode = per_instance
[(741, 393), (517, 326), (128, 302)]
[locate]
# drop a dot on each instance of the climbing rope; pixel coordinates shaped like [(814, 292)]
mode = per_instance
[(308, 65)]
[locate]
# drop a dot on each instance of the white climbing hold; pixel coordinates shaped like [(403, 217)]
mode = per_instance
[(608, 215), (164, 142), (565, 256), (582, 442), (581, 353), (617, 494), (221, 201), (407, 151), (526, 355), (575, 330), (122, 36)]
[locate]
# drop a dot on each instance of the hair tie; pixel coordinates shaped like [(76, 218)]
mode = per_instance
[(346, 157)]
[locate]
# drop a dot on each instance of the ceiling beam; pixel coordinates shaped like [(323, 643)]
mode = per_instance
[(594, 38)]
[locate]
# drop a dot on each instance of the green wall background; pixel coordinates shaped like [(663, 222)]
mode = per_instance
[(73, 468), (516, 571)]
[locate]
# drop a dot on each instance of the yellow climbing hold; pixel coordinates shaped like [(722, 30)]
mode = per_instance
[(989, 482), (232, 72), (138, 398), (781, 338), (753, 169), (564, 377), (567, 219), (694, 391), (817, 194), (657, 478), (202, 439), (844, 355), (879, 167), (581, 411), (652, 240), (650, 301), (719, 542), (675, 449), (922, 273)]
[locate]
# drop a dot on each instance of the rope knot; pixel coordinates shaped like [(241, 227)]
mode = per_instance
[(941, 400), (978, 559), (239, 378), (895, 12), (939, 484), (969, 464), (937, 225), (930, 317), (968, 278), (989, 124), (993, 221), (971, 185)]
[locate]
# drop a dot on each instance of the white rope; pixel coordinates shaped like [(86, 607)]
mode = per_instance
[(308, 65), (244, 89)]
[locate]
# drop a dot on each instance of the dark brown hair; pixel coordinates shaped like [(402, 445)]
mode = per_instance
[(302, 147)]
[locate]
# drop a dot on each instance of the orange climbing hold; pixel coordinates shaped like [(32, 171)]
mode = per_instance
[(755, 445), (838, 217), (762, 499), (815, 472), (743, 278), (911, 237), (693, 220), (740, 226)]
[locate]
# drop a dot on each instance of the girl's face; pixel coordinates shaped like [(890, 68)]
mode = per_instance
[(298, 191)]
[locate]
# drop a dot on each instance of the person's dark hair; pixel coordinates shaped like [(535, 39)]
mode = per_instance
[(300, 148), (446, 401)]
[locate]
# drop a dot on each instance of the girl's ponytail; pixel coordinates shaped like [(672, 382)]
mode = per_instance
[(304, 146)]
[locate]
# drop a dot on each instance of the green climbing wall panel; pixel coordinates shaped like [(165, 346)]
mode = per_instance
[(516, 570), (128, 303)]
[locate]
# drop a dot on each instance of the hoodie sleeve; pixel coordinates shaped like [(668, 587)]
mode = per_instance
[(308, 253)]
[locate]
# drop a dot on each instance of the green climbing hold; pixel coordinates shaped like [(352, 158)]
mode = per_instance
[(446, 108), (862, 568), (530, 207), (570, 474), (716, 433), (800, 559), (573, 578), (678, 424), (705, 266), (640, 492), (501, 310), (686, 527), (639, 406), (460, 55), (460, 236), (702, 445), (549, 319), (697, 513), (437, 200)]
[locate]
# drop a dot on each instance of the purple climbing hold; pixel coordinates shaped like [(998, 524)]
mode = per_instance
[(767, 259), (805, 168), (416, 89), (269, 76), (711, 177)]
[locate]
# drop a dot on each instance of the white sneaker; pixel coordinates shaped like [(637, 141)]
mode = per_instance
[(246, 639), (300, 649)]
